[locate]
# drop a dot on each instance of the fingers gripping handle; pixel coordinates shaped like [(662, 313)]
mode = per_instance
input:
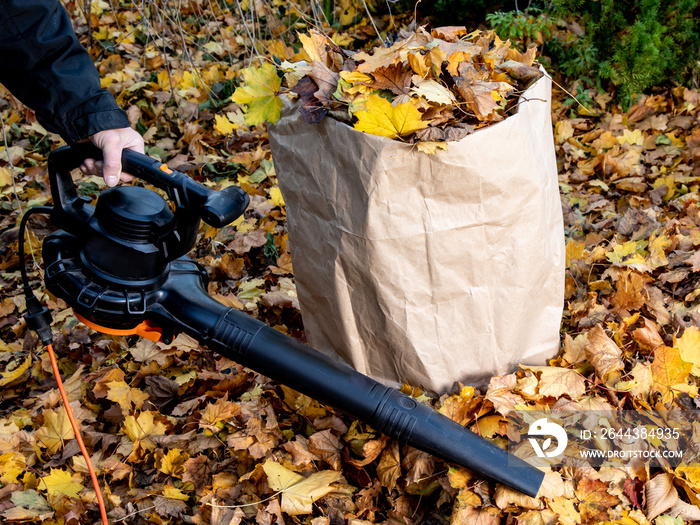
[(217, 208)]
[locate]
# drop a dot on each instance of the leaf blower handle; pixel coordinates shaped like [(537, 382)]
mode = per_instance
[(255, 345), (217, 208)]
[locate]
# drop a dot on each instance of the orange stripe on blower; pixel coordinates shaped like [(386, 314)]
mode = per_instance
[(143, 329), (164, 167)]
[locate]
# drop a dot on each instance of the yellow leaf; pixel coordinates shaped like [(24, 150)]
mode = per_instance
[(574, 250), (140, 429), (5, 177), (125, 396), (8, 376), (657, 255), (260, 93), (555, 381), (173, 463), (173, 493), (431, 147), (383, 119), (55, 431), (220, 411), (670, 374), (60, 483), (222, 125), (689, 347), (12, 465), (298, 492), (627, 253), (276, 196), (631, 137)]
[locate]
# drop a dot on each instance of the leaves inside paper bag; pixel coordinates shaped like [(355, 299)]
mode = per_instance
[(423, 88)]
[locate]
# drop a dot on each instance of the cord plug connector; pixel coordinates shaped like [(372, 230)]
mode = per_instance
[(38, 318)]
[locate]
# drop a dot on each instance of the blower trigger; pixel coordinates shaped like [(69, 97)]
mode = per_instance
[(144, 329)]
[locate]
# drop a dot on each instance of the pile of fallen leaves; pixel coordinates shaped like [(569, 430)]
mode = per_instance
[(425, 87), (179, 435)]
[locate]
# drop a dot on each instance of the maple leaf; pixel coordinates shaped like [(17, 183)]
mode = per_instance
[(60, 483), (222, 125), (216, 413), (383, 119), (197, 471), (394, 78), (670, 374), (125, 396), (12, 465), (173, 463), (604, 355), (389, 467), (298, 492), (141, 429), (555, 381), (689, 347), (260, 93), (594, 500), (55, 431), (326, 446)]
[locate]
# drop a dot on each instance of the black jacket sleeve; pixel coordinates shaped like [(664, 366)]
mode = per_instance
[(43, 64)]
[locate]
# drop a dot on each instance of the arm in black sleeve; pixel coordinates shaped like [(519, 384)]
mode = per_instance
[(43, 64)]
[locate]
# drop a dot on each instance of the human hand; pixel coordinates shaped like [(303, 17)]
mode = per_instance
[(112, 142)]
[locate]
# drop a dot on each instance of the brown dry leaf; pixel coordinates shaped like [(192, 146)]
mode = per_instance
[(505, 497), (216, 413), (647, 336), (55, 431), (326, 446), (604, 355), (389, 467), (500, 393), (394, 78), (594, 500), (371, 450), (555, 382), (100, 389), (299, 449), (483, 98), (197, 471), (473, 516), (660, 494)]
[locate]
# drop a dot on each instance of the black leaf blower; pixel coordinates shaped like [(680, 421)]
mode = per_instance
[(122, 266)]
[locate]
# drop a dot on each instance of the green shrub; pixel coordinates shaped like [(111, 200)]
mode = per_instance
[(634, 44)]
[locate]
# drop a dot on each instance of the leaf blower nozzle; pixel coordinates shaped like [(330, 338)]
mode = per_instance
[(123, 263)]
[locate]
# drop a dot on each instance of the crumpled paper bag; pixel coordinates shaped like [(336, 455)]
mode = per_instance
[(427, 269)]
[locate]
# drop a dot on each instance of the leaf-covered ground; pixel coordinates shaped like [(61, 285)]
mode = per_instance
[(179, 435)]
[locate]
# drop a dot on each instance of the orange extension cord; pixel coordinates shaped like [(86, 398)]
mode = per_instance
[(78, 436)]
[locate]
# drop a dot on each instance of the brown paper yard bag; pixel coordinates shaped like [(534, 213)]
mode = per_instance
[(427, 269)]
